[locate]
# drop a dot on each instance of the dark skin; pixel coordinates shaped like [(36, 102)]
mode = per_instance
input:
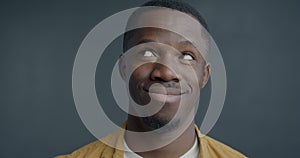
[(147, 74), (164, 58)]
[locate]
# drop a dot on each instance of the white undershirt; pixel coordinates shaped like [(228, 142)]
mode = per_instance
[(193, 152)]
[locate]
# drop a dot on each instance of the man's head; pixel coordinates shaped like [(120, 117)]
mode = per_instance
[(171, 4), (164, 61)]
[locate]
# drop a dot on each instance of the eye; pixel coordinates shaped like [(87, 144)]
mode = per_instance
[(187, 56), (148, 53)]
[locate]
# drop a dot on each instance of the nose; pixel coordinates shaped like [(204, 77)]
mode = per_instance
[(163, 73)]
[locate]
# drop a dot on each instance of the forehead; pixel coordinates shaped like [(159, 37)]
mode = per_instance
[(182, 24), (154, 35)]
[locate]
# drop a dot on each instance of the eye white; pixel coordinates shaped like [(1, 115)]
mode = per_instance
[(148, 53), (187, 57)]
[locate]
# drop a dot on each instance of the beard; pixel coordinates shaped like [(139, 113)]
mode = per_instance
[(155, 123)]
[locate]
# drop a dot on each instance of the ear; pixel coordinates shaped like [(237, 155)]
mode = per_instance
[(122, 66), (206, 74)]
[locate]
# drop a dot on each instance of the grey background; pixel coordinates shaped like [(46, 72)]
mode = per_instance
[(39, 40)]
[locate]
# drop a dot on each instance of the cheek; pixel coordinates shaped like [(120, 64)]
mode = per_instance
[(194, 76), (136, 71), (200, 74), (140, 72), (139, 77)]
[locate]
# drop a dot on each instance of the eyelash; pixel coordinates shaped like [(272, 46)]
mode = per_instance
[(190, 54)]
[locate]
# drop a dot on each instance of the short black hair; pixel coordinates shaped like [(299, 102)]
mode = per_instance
[(180, 6), (171, 4)]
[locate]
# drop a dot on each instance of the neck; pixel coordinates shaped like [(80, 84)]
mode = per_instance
[(174, 149)]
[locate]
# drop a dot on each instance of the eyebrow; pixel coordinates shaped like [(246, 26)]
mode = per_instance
[(145, 41), (186, 43), (182, 42)]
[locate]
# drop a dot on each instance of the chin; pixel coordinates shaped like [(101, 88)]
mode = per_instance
[(156, 122)]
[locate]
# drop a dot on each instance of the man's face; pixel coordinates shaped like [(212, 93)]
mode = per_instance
[(166, 69)]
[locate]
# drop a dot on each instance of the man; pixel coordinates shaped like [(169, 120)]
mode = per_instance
[(164, 64)]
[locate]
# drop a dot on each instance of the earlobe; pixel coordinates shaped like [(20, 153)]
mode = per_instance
[(206, 74), (122, 67)]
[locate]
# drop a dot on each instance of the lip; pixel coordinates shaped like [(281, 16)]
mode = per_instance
[(164, 95), (164, 91), (163, 98)]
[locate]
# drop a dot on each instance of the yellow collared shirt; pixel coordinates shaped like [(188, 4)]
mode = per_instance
[(209, 148)]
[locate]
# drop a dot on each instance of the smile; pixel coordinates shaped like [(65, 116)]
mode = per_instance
[(166, 95), (164, 91)]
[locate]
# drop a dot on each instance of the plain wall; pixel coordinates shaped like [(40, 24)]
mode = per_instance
[(259, 41)]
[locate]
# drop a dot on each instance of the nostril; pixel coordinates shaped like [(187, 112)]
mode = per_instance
[(176, 80), (159, 79)]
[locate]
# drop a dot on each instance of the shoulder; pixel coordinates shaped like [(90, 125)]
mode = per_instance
[(93, 149), (99, 148), (214, 148)]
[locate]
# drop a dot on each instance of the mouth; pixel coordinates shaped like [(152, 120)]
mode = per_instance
[(163, 94), (164, 91)]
